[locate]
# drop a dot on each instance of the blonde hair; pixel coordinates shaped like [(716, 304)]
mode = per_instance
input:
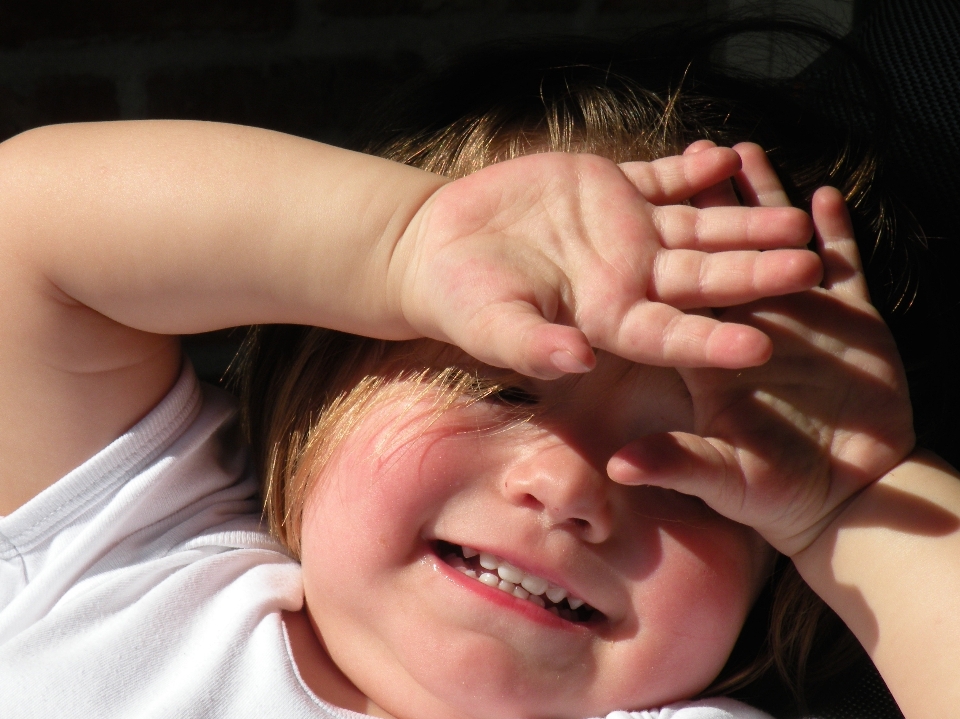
[(305, 389)]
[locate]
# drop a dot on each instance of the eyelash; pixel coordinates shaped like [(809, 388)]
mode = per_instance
[(514, 397)]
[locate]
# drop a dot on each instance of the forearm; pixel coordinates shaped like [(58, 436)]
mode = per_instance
[(115, 235), (889, 565), (177, 227)]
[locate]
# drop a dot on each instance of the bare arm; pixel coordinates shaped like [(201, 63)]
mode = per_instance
[(889, 565), (115, 236)]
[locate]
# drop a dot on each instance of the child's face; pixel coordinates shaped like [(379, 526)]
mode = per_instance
[(669, 581)]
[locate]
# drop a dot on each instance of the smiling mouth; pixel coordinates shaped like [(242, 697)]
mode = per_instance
[(496, 572)]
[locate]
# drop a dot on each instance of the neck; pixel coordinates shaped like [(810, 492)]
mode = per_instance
[(318, 671)]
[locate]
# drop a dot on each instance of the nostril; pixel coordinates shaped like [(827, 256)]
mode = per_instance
[(531, 502), (580, 523)]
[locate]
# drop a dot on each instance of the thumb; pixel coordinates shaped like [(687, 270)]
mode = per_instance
[(516, 335), (707, 468)]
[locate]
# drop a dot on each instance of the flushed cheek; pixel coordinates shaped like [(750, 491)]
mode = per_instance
[(382, 487), (365, 521)]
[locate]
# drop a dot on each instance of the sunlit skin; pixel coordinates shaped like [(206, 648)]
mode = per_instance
[(417, 639)]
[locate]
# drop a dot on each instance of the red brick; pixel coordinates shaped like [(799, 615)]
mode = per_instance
[(25, 22)]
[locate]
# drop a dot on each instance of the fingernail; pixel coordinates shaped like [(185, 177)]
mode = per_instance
[(566, 362), (620, 470)]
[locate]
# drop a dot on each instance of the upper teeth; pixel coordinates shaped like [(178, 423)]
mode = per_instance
[(512, 579)]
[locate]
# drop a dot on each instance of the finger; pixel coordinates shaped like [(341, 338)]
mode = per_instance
[(842, 267), (674, 179), (515, 335), (657, 334), (757, 181), (699, 146), (705, 468), (717, 229), (686, 279), (719, 195)]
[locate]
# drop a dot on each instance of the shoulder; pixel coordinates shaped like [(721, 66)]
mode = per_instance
[(173, 489), (148, 562)]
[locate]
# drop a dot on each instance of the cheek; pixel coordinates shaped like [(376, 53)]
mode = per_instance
[(389, 483), (692, 606), (366, 507), (712, 581), (361, 531)]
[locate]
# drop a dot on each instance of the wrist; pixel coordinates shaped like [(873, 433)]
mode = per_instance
[(821, 543), (887, 565), (401, 257)]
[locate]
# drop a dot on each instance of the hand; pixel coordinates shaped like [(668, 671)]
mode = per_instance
[(530, 263), (784, 446)]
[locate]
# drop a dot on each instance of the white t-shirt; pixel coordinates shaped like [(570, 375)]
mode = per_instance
[(142, 584)]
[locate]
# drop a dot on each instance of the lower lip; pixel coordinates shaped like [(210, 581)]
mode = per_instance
[(507, 601)]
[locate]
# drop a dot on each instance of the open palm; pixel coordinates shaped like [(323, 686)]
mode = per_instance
[(531, 263)]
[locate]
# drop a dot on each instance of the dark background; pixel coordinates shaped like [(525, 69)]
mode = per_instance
[(307, 67)]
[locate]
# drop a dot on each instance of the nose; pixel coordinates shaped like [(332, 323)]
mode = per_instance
[(566, 489)]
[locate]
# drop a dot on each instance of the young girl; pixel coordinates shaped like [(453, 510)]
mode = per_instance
[(138, 582)]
